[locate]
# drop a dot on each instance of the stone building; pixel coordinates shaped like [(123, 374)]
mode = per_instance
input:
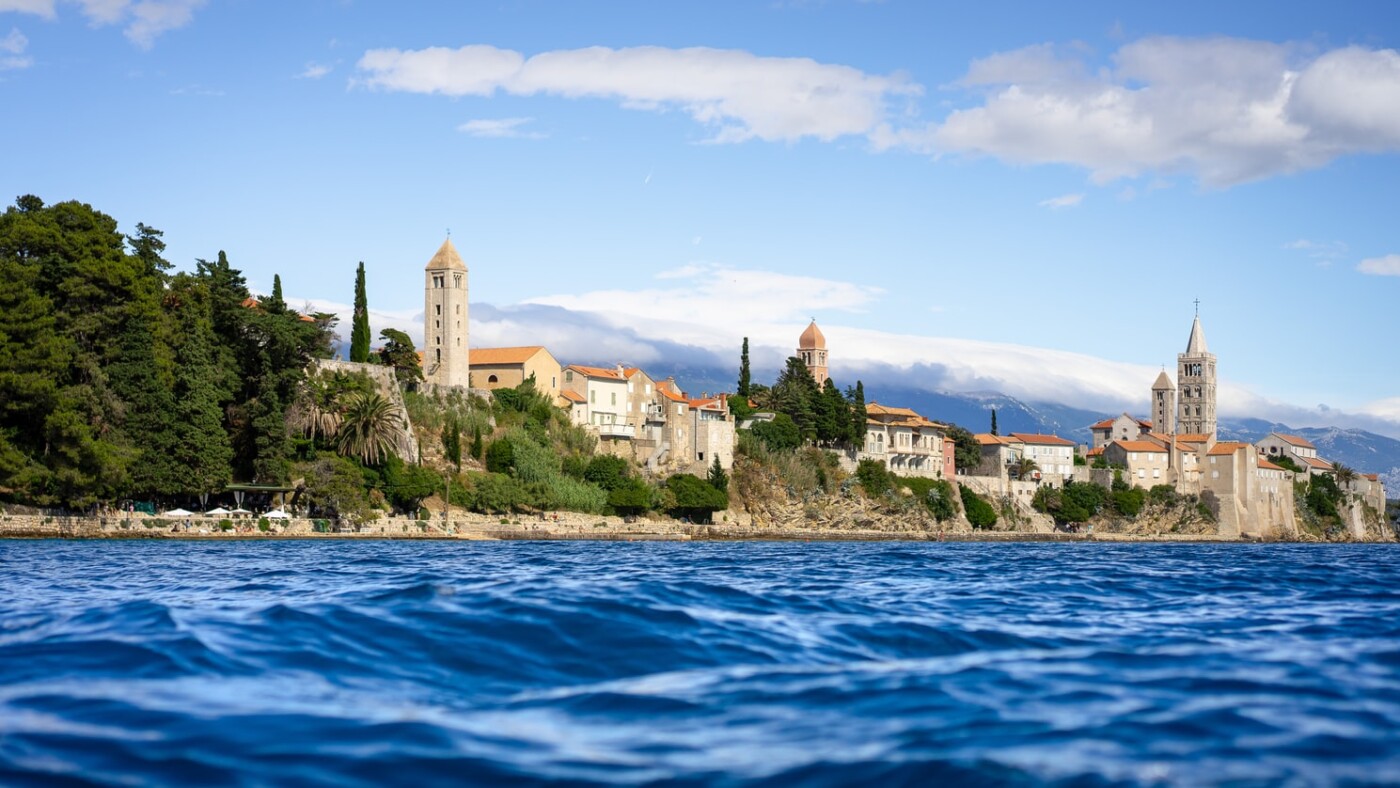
[(1054, 455), (1253, 499), (905, 442), (508, 367), (1145, 463), (445, 327), (811, 348), (1163, 404), (1195, 386), (1119, 428)]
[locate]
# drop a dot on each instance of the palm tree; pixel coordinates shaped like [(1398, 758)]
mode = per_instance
[(1024, 467), (1344, 475), (369, 429), (314, 413)]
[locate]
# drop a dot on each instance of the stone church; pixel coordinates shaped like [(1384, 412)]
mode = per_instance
[(445, 328)]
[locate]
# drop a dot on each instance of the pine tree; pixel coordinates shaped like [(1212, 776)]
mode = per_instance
[(202, 450), (717, 478), (359, 328), (994, 421), (745, 379)]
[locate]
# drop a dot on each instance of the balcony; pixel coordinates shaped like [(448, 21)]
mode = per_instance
[(616, 431)]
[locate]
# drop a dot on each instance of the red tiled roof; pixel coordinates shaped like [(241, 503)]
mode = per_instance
[(249, 303), (1103, 425), (1193, 437), (671, 395), (1375, 477), (572, 396), (1317, 462), (486, 356), (1041, 440), (1094, 452), (1269, 466), (988, 439), (709, 403), (1228, 447), (876, 409), (1142, 446)]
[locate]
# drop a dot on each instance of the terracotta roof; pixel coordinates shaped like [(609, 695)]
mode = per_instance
[(1041, 440), (1103, 425), (1294, 440), (572, 396), (632, 371), (988, 439), (671, 395), (876, 409), (484, 356), (1227, 447), (811, 338), (446, 257), (1094, 452), (1142, 446), (1375, 477), (306, 318), (596, 372), (249, 303), (1317, 462), (708, 403), (1269, 466), (1193, 437)]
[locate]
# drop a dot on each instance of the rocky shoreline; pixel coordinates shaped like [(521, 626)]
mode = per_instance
[(561, 527)]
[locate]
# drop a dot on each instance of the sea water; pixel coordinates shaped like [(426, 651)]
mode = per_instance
[(420, 663)]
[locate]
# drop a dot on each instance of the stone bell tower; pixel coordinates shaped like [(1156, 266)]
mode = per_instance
[(1163, 405), (445, 358), (1195, 384), (811, 348)]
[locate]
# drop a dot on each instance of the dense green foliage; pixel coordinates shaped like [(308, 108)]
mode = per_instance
[(694, 498), (875, 478), (979, 513), (745, 376), (121, 380), (398, 352), (806, 412), (967, 453)]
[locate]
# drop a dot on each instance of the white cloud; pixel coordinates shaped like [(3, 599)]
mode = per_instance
[(740, 95), (315, 71), (12, 49), (1324, 252), (1063, 201), (1381, 266), (1225, 110), (144, 19), (42, 8), (500, 128)]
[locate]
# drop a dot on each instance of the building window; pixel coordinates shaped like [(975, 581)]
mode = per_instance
[(492, 379), (439, 354), (614, 398), (438, 307), (700, 455), (569, 376), (592, 397), (553, 382)]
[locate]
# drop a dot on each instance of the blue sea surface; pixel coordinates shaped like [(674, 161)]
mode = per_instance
[(423, 663)]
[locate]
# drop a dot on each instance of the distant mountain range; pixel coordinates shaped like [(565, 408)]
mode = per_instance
[(1364, 451)]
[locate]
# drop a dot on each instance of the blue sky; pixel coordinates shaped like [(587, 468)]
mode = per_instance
[(1016, 196)]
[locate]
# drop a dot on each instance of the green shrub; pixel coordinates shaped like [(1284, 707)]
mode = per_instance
[(225, 525), (1129, 502), (693, 497), (875, 478), (979, 513), (264, 524), (780, 434), (1163, 494), (632, 496)]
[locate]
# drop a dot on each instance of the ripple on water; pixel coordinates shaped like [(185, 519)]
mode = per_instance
[(369, 662)]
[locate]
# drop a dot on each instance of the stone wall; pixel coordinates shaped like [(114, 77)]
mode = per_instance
[(388, 387)]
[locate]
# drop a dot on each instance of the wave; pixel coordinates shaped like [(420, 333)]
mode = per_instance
[(748, 663)]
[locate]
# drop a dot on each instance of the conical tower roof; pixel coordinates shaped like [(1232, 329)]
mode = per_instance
[(1197, 344), (1163, 382), (446, 257), (812, 338)]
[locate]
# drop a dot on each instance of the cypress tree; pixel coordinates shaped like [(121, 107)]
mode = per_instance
[(452, 443), (858, 416), (745, 380), (203, 453), (274, 303), (359, 329), (994, 421)]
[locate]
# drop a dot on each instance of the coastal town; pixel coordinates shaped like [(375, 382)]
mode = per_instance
[(654, 447), (657, 425)]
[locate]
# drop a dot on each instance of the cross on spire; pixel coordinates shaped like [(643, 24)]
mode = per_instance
[(1198, 302)]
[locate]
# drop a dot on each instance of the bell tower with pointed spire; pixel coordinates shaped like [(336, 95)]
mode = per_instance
[(811, 348), (445, 327), (1195, 383)]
